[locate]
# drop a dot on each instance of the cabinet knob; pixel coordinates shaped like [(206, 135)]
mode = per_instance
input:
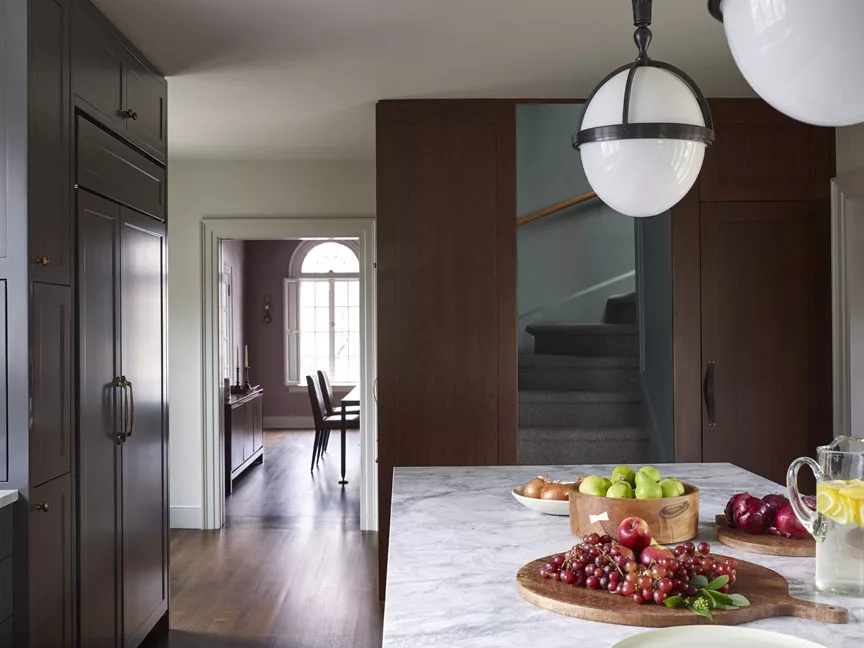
[(41, 261), (130, 114), (43, 507)]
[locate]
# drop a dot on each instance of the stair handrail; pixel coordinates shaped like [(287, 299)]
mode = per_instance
[(554, 209)]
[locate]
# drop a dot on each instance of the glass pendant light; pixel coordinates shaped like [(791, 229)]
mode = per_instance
[(644, 131), (804, 57)]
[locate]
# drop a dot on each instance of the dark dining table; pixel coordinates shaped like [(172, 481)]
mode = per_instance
[(351, 398)]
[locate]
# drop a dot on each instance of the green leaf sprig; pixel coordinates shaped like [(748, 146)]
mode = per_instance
[(708, 597)]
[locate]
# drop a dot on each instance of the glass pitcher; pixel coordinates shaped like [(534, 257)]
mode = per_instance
[(838, 522)]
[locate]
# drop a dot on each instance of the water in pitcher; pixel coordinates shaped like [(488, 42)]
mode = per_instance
[(840, 557)]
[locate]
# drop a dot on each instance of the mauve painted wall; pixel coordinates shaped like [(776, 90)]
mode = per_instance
[(233, 253), (265, 269)]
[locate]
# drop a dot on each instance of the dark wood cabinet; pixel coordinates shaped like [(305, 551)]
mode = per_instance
[(452, 166), (49, 162), (144, 357), (243, 433), (7, 575), (98, 65), (51, 558), (115, 84), (51, 383), (751, 285)]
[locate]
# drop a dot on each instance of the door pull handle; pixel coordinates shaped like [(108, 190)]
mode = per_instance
[(710, 404)]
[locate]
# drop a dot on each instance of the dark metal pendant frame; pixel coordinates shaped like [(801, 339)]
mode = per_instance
[(714, 8), (627, 130)]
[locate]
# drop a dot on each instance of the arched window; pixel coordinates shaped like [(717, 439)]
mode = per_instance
[(322, 311)]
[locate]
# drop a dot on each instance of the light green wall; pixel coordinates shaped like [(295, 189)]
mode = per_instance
[(574, 250)]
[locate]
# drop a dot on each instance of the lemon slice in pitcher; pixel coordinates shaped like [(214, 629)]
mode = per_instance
[(853, 498), (830, 503)]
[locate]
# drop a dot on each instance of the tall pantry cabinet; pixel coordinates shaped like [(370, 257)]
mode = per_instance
[(98, 521)]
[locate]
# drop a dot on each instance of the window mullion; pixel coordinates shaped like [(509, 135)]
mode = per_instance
[(333, 329)]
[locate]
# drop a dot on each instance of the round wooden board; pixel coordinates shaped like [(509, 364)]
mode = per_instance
[(763, 544), (767, 591)]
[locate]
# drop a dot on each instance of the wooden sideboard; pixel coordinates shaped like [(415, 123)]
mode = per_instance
[(244, 433)]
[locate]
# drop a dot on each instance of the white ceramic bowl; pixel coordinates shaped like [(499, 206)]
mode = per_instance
[(713, 637), (549, 507)]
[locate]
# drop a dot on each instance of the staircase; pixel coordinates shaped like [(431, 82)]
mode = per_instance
[(579, 392)]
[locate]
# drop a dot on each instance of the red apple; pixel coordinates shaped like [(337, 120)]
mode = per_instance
[(634, 534), (653, 553), (627, 552)]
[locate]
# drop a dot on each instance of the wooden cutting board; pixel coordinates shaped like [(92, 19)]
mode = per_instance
[(767, 591), (763, 544)]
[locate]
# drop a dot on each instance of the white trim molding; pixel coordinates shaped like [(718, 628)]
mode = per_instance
[(847, 290), (213, 230), (186, 517)]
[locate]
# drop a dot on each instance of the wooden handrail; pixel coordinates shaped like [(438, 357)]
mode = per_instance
[(554, 209)]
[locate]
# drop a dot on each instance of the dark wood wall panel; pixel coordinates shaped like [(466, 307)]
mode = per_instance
[(447, 287)]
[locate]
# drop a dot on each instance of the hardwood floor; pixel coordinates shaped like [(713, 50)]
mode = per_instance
[(290, 568)]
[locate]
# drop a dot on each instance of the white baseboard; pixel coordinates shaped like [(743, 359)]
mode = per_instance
[(289, 423), (186, 517)]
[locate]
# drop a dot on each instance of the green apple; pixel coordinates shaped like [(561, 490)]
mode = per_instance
[(621, 490), (624, 473), (652, 472), (649, 490), (671, 487), (594, 485)]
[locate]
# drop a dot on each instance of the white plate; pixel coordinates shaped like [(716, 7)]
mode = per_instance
[(549, 507), (713, 637)]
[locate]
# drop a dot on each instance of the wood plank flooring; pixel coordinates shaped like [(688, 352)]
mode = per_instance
[(290, 568)]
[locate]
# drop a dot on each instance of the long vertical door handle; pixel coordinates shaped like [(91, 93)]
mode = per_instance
[(710, 405), (131, 409), (120, 382)]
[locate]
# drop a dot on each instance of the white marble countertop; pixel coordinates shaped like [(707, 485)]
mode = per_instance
[(8, 497), (458, 537)]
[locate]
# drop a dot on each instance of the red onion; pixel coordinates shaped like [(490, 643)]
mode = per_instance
[(751, 515), (775, 503), (733, 505), (787, 524)]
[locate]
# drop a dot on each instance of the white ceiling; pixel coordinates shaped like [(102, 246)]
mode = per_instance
[(298, 79)]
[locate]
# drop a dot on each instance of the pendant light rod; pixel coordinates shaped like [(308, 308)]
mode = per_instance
[(642, 13)]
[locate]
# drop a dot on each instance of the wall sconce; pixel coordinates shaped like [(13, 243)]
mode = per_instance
[(267, 316)]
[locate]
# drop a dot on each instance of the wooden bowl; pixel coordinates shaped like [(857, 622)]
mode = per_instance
[(671, 519)]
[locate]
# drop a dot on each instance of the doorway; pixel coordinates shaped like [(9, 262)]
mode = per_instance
[(361, 361)]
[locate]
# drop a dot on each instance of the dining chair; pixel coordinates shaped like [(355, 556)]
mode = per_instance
[(327, 392), (324, 423)]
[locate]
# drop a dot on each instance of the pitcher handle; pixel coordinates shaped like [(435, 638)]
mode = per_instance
[(811, 520)]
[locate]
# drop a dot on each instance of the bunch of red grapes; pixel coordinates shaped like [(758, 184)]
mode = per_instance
[(600, 564)]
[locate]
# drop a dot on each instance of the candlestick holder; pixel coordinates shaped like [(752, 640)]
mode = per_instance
[(237, 388)]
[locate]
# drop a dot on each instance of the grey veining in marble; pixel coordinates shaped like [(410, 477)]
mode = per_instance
[(8, 497), (458, 537)]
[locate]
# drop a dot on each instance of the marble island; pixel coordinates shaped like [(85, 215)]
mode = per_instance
[(458, 537)]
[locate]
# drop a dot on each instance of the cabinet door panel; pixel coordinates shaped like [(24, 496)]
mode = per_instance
[(145, 456), (766, 326), (258, 424), (99, 404), (146, 95), (761, 154), (49, 179), (98, 62), (51, 594), (249, 418), (238, 426), (51, 389)]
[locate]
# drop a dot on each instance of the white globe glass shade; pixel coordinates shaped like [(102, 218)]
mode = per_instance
[(643, 177), (804, 57)]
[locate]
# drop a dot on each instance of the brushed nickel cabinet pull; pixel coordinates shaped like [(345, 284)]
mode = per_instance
[(130, 114), (41, 260), (42, 508)]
